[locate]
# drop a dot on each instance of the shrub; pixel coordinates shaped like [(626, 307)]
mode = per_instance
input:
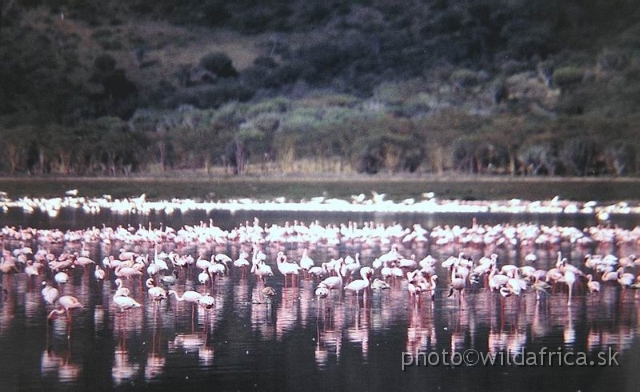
[(216, 95), (567, 76), (464, 78), (220, 64), (104, 63)]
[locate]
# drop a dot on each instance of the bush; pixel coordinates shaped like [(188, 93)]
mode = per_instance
[(220, 64), (464, 78), (212, 96), (104, 63), (567, 76), (620, 158)]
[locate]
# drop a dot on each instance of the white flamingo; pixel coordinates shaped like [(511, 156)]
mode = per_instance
[(157, 294), (49, 293), (359, 285), (67, 303), (124, 303), (206, 301), (458, 284), (333, 282), (203, 277), (306, 262), (261, 270), (569, 278), (286, 268), (121, 291), (190, 296), (242, 262), (61, 277), (99, 273), (592, 285)]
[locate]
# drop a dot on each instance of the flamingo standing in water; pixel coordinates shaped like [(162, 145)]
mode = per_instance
[(206, 301), (379, 284), (286, 268), (171, 279), (99, 273), (67, 303), (306, 263), (258, 267), (322, 292), (359, 285), (457, 284), (242, 262), (203, 277), (193, 297), (121, 291), (260, 270), (569, 278), (268, 293), (61, 277), (626, 280), (157, 294), (124, 303), (49, 293), (540, 287), (333, 282), (592, 285)]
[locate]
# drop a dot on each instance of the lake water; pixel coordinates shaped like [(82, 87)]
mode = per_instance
[(299, 342)]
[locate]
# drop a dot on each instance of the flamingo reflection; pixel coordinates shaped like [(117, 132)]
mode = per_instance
[(329, 329), (123, 369), (154, 366), (359, 331), (52, 363), (421, 336), (261, 315), (287, 312), (192, 343)]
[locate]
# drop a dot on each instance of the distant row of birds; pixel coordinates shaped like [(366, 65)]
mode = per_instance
[(427, 202), (366, 235)]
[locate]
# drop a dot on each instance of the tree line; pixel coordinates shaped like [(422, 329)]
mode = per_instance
[(337, 135)]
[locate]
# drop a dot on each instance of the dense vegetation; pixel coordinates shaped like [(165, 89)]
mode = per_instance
[(535, 87)]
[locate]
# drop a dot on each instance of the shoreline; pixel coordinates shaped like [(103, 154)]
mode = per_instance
[(452, 178), (299, 188)]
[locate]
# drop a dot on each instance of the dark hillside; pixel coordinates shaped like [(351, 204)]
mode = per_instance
[(535, 87)]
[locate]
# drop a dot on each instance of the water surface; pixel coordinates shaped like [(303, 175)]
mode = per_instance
[(297, 342)]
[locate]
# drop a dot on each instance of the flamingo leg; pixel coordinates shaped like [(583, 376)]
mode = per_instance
[(68, 324)]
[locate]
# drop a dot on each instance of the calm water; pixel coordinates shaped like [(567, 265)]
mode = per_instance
[(297, 342)]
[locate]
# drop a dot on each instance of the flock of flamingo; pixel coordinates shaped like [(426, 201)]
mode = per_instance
[(202, 247), (334, 266)]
